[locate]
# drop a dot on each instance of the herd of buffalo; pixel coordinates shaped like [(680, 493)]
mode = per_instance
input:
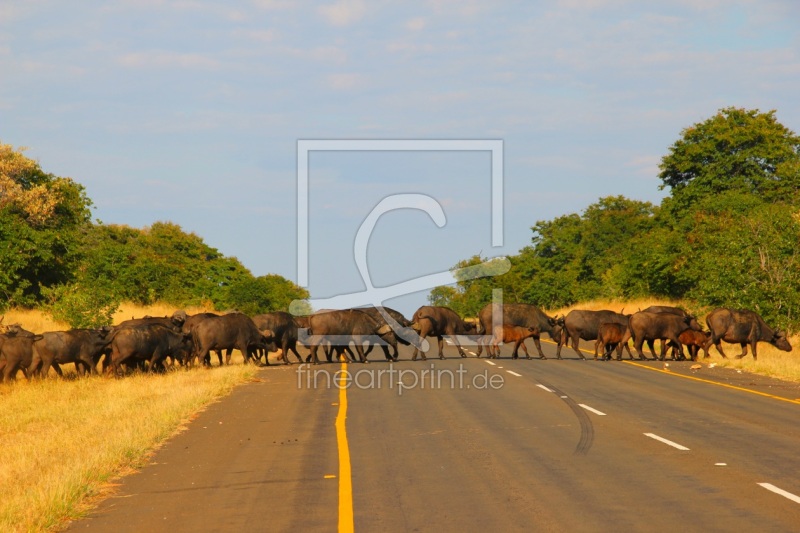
[(154, 342)]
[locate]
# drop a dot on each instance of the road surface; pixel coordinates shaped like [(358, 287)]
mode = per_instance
[(503, 445)]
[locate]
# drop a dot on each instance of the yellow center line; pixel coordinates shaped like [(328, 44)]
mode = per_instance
[(345, 481), (713, 382)]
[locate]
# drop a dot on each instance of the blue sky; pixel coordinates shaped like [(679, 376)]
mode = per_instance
[(190, 111)]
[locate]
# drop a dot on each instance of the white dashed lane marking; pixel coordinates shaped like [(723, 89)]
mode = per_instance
[(785, 494), (543, 387), (593, 410), (491, 363), (668, 442), (514, 373)]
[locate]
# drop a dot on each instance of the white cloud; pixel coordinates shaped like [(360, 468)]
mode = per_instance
[(343, 12)]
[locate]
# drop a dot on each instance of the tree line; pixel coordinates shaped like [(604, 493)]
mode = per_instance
[(53, 256), (727, 234)]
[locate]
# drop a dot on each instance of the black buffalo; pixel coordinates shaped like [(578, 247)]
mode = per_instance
[(189, 322), (691, 320), (133, 346), (524, 315), (585, 325), (227, 332), (83, 347), (16, 351), (435, 321), (340, 328), (744, 327), (284, 330), (401, 333), (649, 327)]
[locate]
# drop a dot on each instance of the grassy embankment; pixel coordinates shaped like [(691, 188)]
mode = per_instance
[(771, 361), (65, 441)]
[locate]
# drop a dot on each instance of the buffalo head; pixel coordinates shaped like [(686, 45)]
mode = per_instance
[(780, 341), (178, 317)]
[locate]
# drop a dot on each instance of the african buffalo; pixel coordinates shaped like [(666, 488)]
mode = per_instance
[(146, 343), (83, 347), (692, 321), (340, 327), (435, 321), (744, 327), (525, 315), (694, 341), (649, 327), (507, 333), (581, 324), (284, 329), (401, 330), (612, 335), (231, 331), (189, 322), (16, 351)]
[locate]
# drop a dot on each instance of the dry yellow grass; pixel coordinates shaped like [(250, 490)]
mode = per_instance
[(33, 320), (771, 361), (65, 440), (40, 321), (128, 310)]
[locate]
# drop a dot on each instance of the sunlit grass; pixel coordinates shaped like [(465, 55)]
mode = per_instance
[(66, 439)]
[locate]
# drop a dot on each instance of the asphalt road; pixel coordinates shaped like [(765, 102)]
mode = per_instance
[(467, 445)]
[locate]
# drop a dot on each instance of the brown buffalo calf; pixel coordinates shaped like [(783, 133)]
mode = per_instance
[(694, 340), (609, 336), (516, 334)]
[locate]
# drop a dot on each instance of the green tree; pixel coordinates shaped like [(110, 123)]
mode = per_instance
[(735, 150), (159, 263), (42, 219), (264, 294)]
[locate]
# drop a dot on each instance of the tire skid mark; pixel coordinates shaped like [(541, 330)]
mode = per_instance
[(587, 428)]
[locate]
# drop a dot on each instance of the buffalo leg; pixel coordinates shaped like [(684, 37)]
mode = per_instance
[(461, 351), (525, 349), (718, 344), (313, 353), (293, 348), (575, 346), (638, 344), (422, 334), (744, 350)]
